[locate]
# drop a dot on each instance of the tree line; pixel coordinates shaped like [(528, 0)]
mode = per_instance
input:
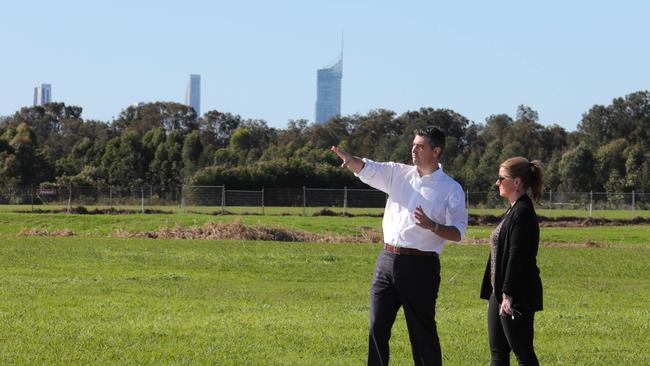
[(165, 144)]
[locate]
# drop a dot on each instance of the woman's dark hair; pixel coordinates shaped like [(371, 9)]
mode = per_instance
[(435, 134), (530, 172)]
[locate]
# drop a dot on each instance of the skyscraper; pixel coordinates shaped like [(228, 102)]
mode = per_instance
[(328, 91), (193, 93), (42, 94)]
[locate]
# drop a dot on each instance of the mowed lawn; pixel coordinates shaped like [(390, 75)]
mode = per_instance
[(101, 300), (12, 223)]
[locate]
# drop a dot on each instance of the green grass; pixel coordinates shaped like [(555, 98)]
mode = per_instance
[(255, 210), (309, 211), (104, 225), (637, 236), (139, 301), (607, 214)]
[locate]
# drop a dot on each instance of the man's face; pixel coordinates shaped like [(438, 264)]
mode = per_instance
[(422, 153)]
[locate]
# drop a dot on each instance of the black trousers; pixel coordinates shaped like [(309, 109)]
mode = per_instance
[(411, 282), (506, 334)]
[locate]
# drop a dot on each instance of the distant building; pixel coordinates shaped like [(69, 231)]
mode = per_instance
[(137, 104), (328, 91), (42, 94), (193, 93)]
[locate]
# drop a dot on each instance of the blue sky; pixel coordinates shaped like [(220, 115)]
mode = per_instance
[(259, 58)]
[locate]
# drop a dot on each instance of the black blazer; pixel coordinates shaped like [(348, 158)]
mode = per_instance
[(517, 274)]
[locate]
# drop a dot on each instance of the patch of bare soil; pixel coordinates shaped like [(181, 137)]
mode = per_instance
[(564, 221), (589, 243), (474, 220), (582, 222), (238, 231), (322, 212), (81, 210), (44, 232)]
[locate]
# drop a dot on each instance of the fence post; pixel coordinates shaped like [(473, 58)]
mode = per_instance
[(633, 199), (304, 201), (182, 203), (345, 199), (110, 196), (467, 201), (262, 201), (69, 197), (31, 193), (223, 198), (550, 199), (591, 202)]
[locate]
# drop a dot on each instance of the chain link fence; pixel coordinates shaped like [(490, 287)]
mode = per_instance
[(284, 200), (301, 201)]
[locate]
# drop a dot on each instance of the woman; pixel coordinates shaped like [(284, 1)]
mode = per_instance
[(511, 283)]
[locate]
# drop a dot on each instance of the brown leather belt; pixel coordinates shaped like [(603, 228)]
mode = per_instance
[(407, 251)]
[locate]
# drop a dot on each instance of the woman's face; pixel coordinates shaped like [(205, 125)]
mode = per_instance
[(506, 184)]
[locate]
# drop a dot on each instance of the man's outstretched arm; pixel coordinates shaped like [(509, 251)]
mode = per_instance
[(353, 163)]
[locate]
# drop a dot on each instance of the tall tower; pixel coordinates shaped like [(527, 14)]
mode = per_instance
[(193, 93), (42, 94), (328, 90)]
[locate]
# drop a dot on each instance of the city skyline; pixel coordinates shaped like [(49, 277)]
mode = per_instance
[(258, 60)]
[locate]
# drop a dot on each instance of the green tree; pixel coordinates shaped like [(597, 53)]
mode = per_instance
[(167, 166), (609, 159), (192, 149), (169, 116), (82, 155), (634, 167), (122, 163), (217, 127), (242, 140), (526, 114), (26, 165), (627, 117), (576, 169), (495, 128)]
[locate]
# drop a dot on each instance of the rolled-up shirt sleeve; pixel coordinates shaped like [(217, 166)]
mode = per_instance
[(377, 175), (456, 211)]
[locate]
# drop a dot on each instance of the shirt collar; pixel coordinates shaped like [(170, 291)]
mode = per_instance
[(434, 175)]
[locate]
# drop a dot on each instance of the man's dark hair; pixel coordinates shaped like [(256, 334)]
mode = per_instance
[(435, 134)]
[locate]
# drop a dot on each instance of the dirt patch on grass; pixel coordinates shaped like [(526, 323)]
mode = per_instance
[(584, 222), (238, 231), (473, 219), (589, 243), (480, 220), (44, 232), (81, 210), (563, 221)]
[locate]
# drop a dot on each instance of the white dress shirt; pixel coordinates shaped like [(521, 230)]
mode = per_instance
[(442, 200)]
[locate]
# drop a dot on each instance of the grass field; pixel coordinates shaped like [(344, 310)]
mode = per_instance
[(96, 299), (140, 301), (309, 211), (106, 225)]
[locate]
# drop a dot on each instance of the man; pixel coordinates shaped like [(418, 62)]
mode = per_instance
[(425, 207)]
